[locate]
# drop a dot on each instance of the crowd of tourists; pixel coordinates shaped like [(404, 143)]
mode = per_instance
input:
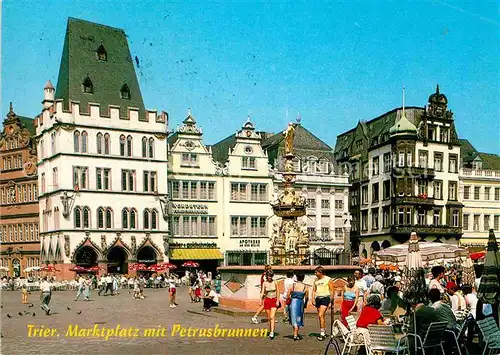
[(375, 297)]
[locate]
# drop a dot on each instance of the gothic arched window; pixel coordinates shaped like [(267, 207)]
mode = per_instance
[(133, 218), (109, 218), (100, 217), (154, 219), (146, 219), (76, 142), (107, 144), (86, 217), (99, 142), (125, 218), (84, 142), (122, 145), (151, 147), (144, 147), (78, 217), (129, 146)]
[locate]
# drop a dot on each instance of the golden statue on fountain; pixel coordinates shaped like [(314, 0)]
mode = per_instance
[(289, 242)]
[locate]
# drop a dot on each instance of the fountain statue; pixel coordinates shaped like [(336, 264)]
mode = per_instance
[(289, 240)]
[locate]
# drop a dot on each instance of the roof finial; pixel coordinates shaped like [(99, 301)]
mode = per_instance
[(248, 119), (403, 100), (298, 118), (437, 89), (11, 109), (189, 111)]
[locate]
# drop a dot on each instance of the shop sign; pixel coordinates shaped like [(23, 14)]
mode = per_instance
[(193, 245), (191, 208), (249, 243)]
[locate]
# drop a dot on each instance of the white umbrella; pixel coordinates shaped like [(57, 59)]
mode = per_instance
[(3, 268), (468, 273), (28, 269), (430, 253), (413, 281)]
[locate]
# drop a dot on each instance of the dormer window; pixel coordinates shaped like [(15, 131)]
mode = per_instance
[(88, 88), (125, 92), (101, 53)]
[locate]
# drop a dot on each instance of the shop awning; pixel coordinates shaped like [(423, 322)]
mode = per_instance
[(196, 254)]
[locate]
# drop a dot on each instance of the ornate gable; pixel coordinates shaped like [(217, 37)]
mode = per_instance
[(149, 242), (87, 242)]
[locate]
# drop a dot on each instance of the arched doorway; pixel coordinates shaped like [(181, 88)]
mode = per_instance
[(375, 246), (146, 255), (117, 260), (16, 267), (86, 257), (386, 244)]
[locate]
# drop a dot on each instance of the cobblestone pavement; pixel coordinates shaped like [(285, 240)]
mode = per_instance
[(152, 312)]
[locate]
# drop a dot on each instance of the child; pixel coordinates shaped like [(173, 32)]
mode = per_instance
[(171, 291), (137, 290), (24, 292)]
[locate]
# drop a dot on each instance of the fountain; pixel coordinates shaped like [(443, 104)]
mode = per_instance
[(289, 248)]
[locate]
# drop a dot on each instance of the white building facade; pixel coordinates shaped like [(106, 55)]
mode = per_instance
[(102, 166), (220, 208)]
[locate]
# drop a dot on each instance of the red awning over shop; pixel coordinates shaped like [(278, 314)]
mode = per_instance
[(478, 255)]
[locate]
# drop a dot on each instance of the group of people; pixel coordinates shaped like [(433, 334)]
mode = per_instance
[(294, 299), (447, 300), (200, 288)]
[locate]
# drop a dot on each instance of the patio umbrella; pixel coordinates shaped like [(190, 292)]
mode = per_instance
[(190, 264), (468, 273), (3, 268), (49, 268), (489, 289), (78, 268), (94, 268), (138, 267), (429, 253), (413, 283)]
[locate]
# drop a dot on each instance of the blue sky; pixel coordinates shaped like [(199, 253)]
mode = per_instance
[(334, 62)]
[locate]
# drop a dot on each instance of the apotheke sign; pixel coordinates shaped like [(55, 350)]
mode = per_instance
[(182, 208), (248, 243)]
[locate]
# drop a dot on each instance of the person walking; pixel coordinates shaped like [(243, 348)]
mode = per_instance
[(349, 297), (45, 295), (81, 282), (322, 296), (109, 284), (269, 299), (172, 290), (24, 293), (298, 295), (88, 289), (267, 268), (288, 284)]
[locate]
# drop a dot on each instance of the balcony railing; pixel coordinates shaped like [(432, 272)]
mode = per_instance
[(438, 230), (480, 173), (414, 171), (421, 200)]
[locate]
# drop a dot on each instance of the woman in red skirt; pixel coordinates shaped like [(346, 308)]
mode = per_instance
[(269, 296), (351, 293)]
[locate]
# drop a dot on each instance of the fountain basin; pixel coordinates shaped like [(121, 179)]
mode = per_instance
[(241, 284)]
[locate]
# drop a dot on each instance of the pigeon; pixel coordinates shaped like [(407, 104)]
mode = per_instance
[(68, 308), (79, 312), (19, 313), (31, 305), (33, 314), (9, 316)]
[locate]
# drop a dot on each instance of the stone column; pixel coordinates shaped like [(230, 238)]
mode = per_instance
[(471, 221), (318, 212), (481, 222), (332, 214)]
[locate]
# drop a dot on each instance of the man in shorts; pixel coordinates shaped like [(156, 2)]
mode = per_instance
[(322, 297)]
